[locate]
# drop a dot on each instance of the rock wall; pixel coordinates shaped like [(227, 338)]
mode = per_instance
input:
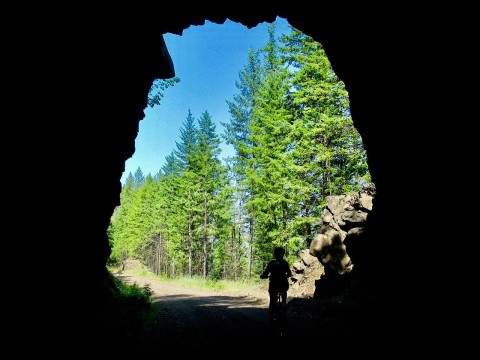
[(329, 266)]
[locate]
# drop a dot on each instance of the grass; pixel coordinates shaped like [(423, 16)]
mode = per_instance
[(128, 310), (196, 282), (209, 284)]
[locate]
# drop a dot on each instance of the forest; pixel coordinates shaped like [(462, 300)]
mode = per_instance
[(294, 144)]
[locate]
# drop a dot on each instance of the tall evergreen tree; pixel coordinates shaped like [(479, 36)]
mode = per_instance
[(238, 133), (271, 50), (129, 180), (172, 165), (119, 227), (212, 178), (187, 195), (270, 173), (325, 147), (186, 146), (175, 210), (237, 129), (268, 176), (139, 178), (323, 107)]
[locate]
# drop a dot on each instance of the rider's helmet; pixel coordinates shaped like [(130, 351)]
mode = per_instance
[(279, 252)]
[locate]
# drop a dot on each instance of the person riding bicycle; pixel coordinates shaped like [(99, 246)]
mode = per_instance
[(279, 271)]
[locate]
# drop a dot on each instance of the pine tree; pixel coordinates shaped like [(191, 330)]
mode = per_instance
[(323, 107), (139, 178), (237, 129), (172, 165), (186, 198), (118, 229), (238, 134), (270, 170), (130, 179), (212, 178), (186, 146), (174, 216)]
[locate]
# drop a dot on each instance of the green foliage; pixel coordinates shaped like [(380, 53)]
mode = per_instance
[(155, 94), (188, 139), (199, 282), (295, 144), (129, 311), (139, 178)]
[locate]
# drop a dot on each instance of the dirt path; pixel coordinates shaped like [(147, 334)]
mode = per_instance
[(227, 324), (207, 323)]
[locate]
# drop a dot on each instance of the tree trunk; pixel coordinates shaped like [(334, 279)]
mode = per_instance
[(250, 251), (205, 237)]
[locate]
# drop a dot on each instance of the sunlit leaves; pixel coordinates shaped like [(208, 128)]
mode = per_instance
[(157, 89)]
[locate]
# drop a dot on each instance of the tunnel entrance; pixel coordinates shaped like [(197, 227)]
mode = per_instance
[(237, 156)]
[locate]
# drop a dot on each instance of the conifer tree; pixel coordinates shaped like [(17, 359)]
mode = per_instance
[(139, 178), (212, 178), (118, 229), (238, 134), (324, 112), (270, 173), (187, 196), (186, 146)]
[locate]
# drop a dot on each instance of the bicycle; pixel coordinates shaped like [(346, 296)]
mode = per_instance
[(278, 316)]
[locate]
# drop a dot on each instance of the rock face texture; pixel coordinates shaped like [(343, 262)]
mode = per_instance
[(327, 268)]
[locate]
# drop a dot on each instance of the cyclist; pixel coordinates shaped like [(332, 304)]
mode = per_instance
[(279, 271)]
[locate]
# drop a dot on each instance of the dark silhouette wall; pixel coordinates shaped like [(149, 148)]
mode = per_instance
[(93, 71)]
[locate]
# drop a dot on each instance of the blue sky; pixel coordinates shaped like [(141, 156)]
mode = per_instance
[(207, 59)]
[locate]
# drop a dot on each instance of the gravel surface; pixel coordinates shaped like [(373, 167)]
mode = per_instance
[(218, 324)]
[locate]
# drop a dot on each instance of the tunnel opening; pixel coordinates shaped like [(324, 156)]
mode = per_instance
[(95, 68), (117, 144), (178, 236)]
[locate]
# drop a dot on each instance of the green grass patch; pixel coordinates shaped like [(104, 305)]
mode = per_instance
[(129, 311), (197, 282)]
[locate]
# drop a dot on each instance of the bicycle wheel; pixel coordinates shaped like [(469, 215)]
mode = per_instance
[(279, 316)]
